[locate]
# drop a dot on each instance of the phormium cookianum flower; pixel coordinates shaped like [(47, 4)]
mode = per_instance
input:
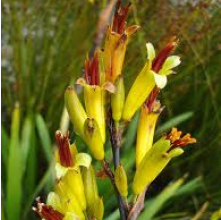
[(75, 195), (116, 42), (156, 159), (154, 73)]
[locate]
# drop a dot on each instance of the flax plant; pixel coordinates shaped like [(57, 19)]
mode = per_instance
[(104, 113)]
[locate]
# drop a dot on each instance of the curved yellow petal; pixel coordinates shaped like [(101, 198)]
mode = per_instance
[(152, 164), (139, 92)]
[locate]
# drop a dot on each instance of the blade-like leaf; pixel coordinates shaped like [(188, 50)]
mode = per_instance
[(155, 205), (44, 136), (173, 122), (39, 187), (14, 188), (26, 141), (131, 133), (5, 145)]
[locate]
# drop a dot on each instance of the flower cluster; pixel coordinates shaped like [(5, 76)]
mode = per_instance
[(76, 194), (75, 190)]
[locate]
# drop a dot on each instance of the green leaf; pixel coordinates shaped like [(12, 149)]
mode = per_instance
[(31, 165), (40, 186), (156, 204), (131, 133), (113, 216), (44, 136), (26, 140), (189, 187), (173, 122), (14, 188), (5, 145)]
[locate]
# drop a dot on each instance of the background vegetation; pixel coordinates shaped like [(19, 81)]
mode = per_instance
[(43, 49)]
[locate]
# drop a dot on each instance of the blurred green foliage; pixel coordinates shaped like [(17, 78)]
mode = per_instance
[(44, 44)]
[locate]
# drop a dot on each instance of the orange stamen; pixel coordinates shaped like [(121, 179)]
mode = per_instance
[(177, 141)]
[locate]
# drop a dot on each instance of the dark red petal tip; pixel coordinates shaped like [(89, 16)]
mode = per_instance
[(120, 16), (64, 149), (91, 72), (163, 54), (46, 211)]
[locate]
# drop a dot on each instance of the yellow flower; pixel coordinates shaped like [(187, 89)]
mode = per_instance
[(156, 159), (154, 74), (68, 201), (116, 42), (94, 92), (150, 112), (162, 64)]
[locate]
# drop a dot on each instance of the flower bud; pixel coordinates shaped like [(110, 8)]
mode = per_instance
[(117, 99), (94, 103), (90, 189), (146, 128), (139, 92), (93, 138), (75, 110), (114, 53), (120, 178)]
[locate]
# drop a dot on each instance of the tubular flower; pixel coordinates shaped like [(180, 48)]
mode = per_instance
[(75, 110), (156, 159), (68, 201), (154, 74), (150, 112), (120, 178), (94, 92), (116, 42)]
